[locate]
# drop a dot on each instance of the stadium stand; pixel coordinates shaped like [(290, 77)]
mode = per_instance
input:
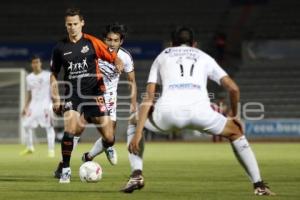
[(275, 20), (27, 21), (275, 84)]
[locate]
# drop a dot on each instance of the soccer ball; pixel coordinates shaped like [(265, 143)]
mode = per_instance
[(90, 172)]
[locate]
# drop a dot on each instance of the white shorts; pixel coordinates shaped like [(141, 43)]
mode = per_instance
[(38, 116), (110, 98), (202, 117)]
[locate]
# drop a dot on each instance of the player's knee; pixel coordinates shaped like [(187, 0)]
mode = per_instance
[(74, 130), (235, 135), (233, 130), (108, 141), (70, 131)]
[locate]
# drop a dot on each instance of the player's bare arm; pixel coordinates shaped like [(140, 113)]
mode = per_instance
[(55, 94), (234, 93), (133, 90), (142, 117), (27, 103)]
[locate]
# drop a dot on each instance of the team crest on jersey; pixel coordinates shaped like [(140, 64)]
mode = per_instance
[(85, 49)]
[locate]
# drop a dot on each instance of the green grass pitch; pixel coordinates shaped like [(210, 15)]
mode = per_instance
[(172, 171)]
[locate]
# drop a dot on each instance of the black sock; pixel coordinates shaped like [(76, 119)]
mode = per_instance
[(136, 173), (108, 144), (66, 148)]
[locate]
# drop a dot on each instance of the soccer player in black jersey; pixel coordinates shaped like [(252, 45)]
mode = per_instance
[(78, 54)]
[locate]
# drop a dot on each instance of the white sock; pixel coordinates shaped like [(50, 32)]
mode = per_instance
[(136, 161), (75, 141), (50, 138), (65, 170), (247, 158), (97, 148), (29, 138)]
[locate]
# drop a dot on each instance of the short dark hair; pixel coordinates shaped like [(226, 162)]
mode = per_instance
[(73, 12), (121, 29), (182, 35), (34, 57)]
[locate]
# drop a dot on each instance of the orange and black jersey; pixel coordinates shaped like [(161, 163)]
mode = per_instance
[(79, 61)]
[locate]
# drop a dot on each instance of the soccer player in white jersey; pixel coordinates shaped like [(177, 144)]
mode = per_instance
[(114, 36), (183, 70), (38, 107)]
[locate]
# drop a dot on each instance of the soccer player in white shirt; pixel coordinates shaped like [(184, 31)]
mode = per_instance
[(114, 36), (38, 106), (183, 70)]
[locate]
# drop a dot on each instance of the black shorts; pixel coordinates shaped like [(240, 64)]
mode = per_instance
[(92, 107)]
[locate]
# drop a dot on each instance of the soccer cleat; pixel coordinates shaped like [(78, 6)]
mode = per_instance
[(85, 157), (135, 182), (261, 189), (27, 151), (51, 153), (65, 175), (111, 155), (58, 171)]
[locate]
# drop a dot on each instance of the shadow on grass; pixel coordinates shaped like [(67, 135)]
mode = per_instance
[(68, 191), (25, 179)]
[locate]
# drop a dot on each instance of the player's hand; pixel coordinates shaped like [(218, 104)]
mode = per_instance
[(57, 108), (24, 112), (134, 144), (119, 65)]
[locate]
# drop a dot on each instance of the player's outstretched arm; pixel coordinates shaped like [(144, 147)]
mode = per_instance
[(234, 93), (142, 117), (55, 94)]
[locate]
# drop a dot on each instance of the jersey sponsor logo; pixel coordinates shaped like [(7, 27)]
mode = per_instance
[(185, 86), (85, 49), (78, 70), (78, 66), (67, 53)]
